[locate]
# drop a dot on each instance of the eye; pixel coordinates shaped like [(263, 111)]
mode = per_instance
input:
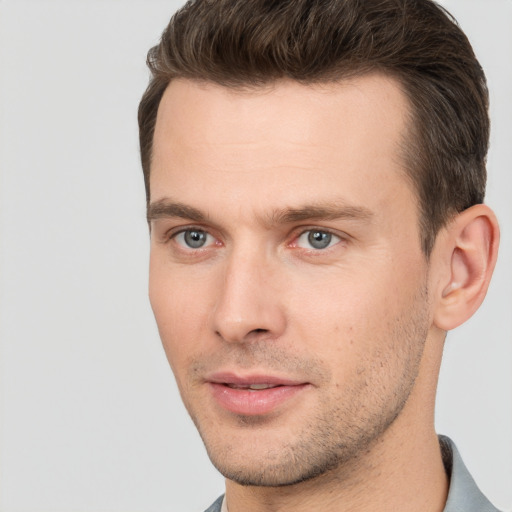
[(194, 238), (317, 239)]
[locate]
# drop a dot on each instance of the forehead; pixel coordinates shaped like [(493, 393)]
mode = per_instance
[(280, 139), (198, 108)]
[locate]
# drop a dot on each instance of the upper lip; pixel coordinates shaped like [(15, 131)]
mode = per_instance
[(246, 380)]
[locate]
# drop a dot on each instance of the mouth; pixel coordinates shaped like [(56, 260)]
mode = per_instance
[(254, 395), (253, 387)]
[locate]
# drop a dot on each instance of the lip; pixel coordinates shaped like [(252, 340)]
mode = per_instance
[(243, 401)]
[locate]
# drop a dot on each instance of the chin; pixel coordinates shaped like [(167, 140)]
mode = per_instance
[(253, 462), (268, 474)]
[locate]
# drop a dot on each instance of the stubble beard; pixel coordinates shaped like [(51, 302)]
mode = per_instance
[(336, 441)]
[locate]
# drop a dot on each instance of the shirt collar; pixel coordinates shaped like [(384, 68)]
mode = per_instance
[(463, 495)]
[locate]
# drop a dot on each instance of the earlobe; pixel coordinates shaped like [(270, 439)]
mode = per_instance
[(469, 250)]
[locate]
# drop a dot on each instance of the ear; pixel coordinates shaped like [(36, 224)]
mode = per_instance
[(467, 256)]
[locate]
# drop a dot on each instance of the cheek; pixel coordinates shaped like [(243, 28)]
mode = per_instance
[(340, 304), (180, 311), (350, 319)]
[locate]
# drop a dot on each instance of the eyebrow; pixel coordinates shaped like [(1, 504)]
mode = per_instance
[(323, 211), (166, 208)]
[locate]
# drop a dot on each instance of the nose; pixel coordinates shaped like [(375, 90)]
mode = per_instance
[(250, 300)]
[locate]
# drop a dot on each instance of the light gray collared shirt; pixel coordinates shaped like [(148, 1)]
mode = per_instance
[(463, 495)]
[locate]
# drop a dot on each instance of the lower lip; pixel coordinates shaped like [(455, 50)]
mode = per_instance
[(253, 403)]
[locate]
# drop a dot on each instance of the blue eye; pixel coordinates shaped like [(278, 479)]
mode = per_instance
[(317, 239), (194, 238)]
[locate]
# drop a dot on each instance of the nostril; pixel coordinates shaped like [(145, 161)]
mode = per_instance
[(252, 334)]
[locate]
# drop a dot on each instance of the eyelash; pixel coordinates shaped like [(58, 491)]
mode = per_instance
[(173, 235), (316, 230)]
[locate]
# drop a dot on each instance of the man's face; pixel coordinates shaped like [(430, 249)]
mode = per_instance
[(286, 273)]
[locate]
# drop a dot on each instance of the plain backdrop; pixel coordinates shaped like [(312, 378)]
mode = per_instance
[(90, 419)]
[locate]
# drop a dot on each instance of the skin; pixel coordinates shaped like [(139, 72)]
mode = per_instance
[(354, 323)]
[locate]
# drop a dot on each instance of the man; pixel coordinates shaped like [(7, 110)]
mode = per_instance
[(315, 173)]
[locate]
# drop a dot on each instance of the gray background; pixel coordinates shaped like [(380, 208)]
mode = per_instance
[(90, 419)]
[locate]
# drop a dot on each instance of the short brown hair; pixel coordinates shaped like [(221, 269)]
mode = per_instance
[(250, 43)]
